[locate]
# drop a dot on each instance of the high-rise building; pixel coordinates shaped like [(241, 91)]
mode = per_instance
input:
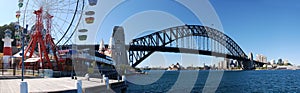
[(286, 62), (280, 61), (218, 66), (272, 62), (221, 65), (226, 63), (261, 58)]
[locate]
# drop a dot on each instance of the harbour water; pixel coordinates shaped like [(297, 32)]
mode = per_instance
[(263, 81)]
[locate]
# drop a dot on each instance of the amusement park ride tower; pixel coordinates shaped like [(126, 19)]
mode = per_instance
[(52, 24), (40, 41)]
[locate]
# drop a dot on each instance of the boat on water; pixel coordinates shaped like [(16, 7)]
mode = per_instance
[(92, 62), (287, 68)]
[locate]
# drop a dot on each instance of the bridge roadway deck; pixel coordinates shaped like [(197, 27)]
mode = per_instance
[(181, 50), (50, 84)]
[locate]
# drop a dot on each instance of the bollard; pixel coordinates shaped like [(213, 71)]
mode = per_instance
[(103, 76), (124, 79), (87, 77), (79, 86), (23, 87), (106, 82)]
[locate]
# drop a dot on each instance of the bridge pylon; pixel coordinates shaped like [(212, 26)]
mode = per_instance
[(248, 65), (119, 54)]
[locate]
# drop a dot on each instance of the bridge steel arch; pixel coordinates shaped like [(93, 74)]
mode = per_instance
[(142, 47)]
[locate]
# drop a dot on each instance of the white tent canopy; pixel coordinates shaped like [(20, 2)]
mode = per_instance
[(18, 54), (32, 60)]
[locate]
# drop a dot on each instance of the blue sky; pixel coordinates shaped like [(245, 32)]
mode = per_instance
[(8, 10), (268, 27)]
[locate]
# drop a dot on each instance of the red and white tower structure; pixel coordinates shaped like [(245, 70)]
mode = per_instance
[(7, 51)]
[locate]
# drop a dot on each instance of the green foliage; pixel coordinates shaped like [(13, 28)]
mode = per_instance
[(2, 29), (288, 64)]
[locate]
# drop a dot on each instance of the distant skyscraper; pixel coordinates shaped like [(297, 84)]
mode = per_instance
[(226, 63), (285, 62), (280, 61), (221, 65), (261, 58), (272, 62)]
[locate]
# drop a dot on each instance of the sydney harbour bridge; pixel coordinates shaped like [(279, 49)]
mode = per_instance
[(191, 39)]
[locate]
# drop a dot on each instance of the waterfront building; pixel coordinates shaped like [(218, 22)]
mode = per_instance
[(232, 64), (224, 65), (261, 58), (269, 66), (286, 62), (236, 63), (219, 65), (227, 63), (272, 62), (280, 61), (176, 66)]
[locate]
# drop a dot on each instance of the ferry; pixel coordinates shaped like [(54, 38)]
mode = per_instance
[(74, 63), (92, 62)]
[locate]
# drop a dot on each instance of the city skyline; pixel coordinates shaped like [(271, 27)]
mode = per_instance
[(267, 27)]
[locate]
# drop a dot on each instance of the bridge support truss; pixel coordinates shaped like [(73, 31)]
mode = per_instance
[(208, 41)]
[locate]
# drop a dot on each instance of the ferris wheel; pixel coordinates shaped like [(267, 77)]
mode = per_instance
[(51, 23), (60, 17)]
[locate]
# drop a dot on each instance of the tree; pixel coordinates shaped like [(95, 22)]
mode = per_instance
[(11, 26)]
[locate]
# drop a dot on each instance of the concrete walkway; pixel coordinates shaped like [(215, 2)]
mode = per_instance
[(49, 84)]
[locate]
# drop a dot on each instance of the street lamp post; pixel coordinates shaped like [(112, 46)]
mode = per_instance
[(23, 54)]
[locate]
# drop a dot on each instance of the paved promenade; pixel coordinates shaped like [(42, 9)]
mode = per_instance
[(50, 84)]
